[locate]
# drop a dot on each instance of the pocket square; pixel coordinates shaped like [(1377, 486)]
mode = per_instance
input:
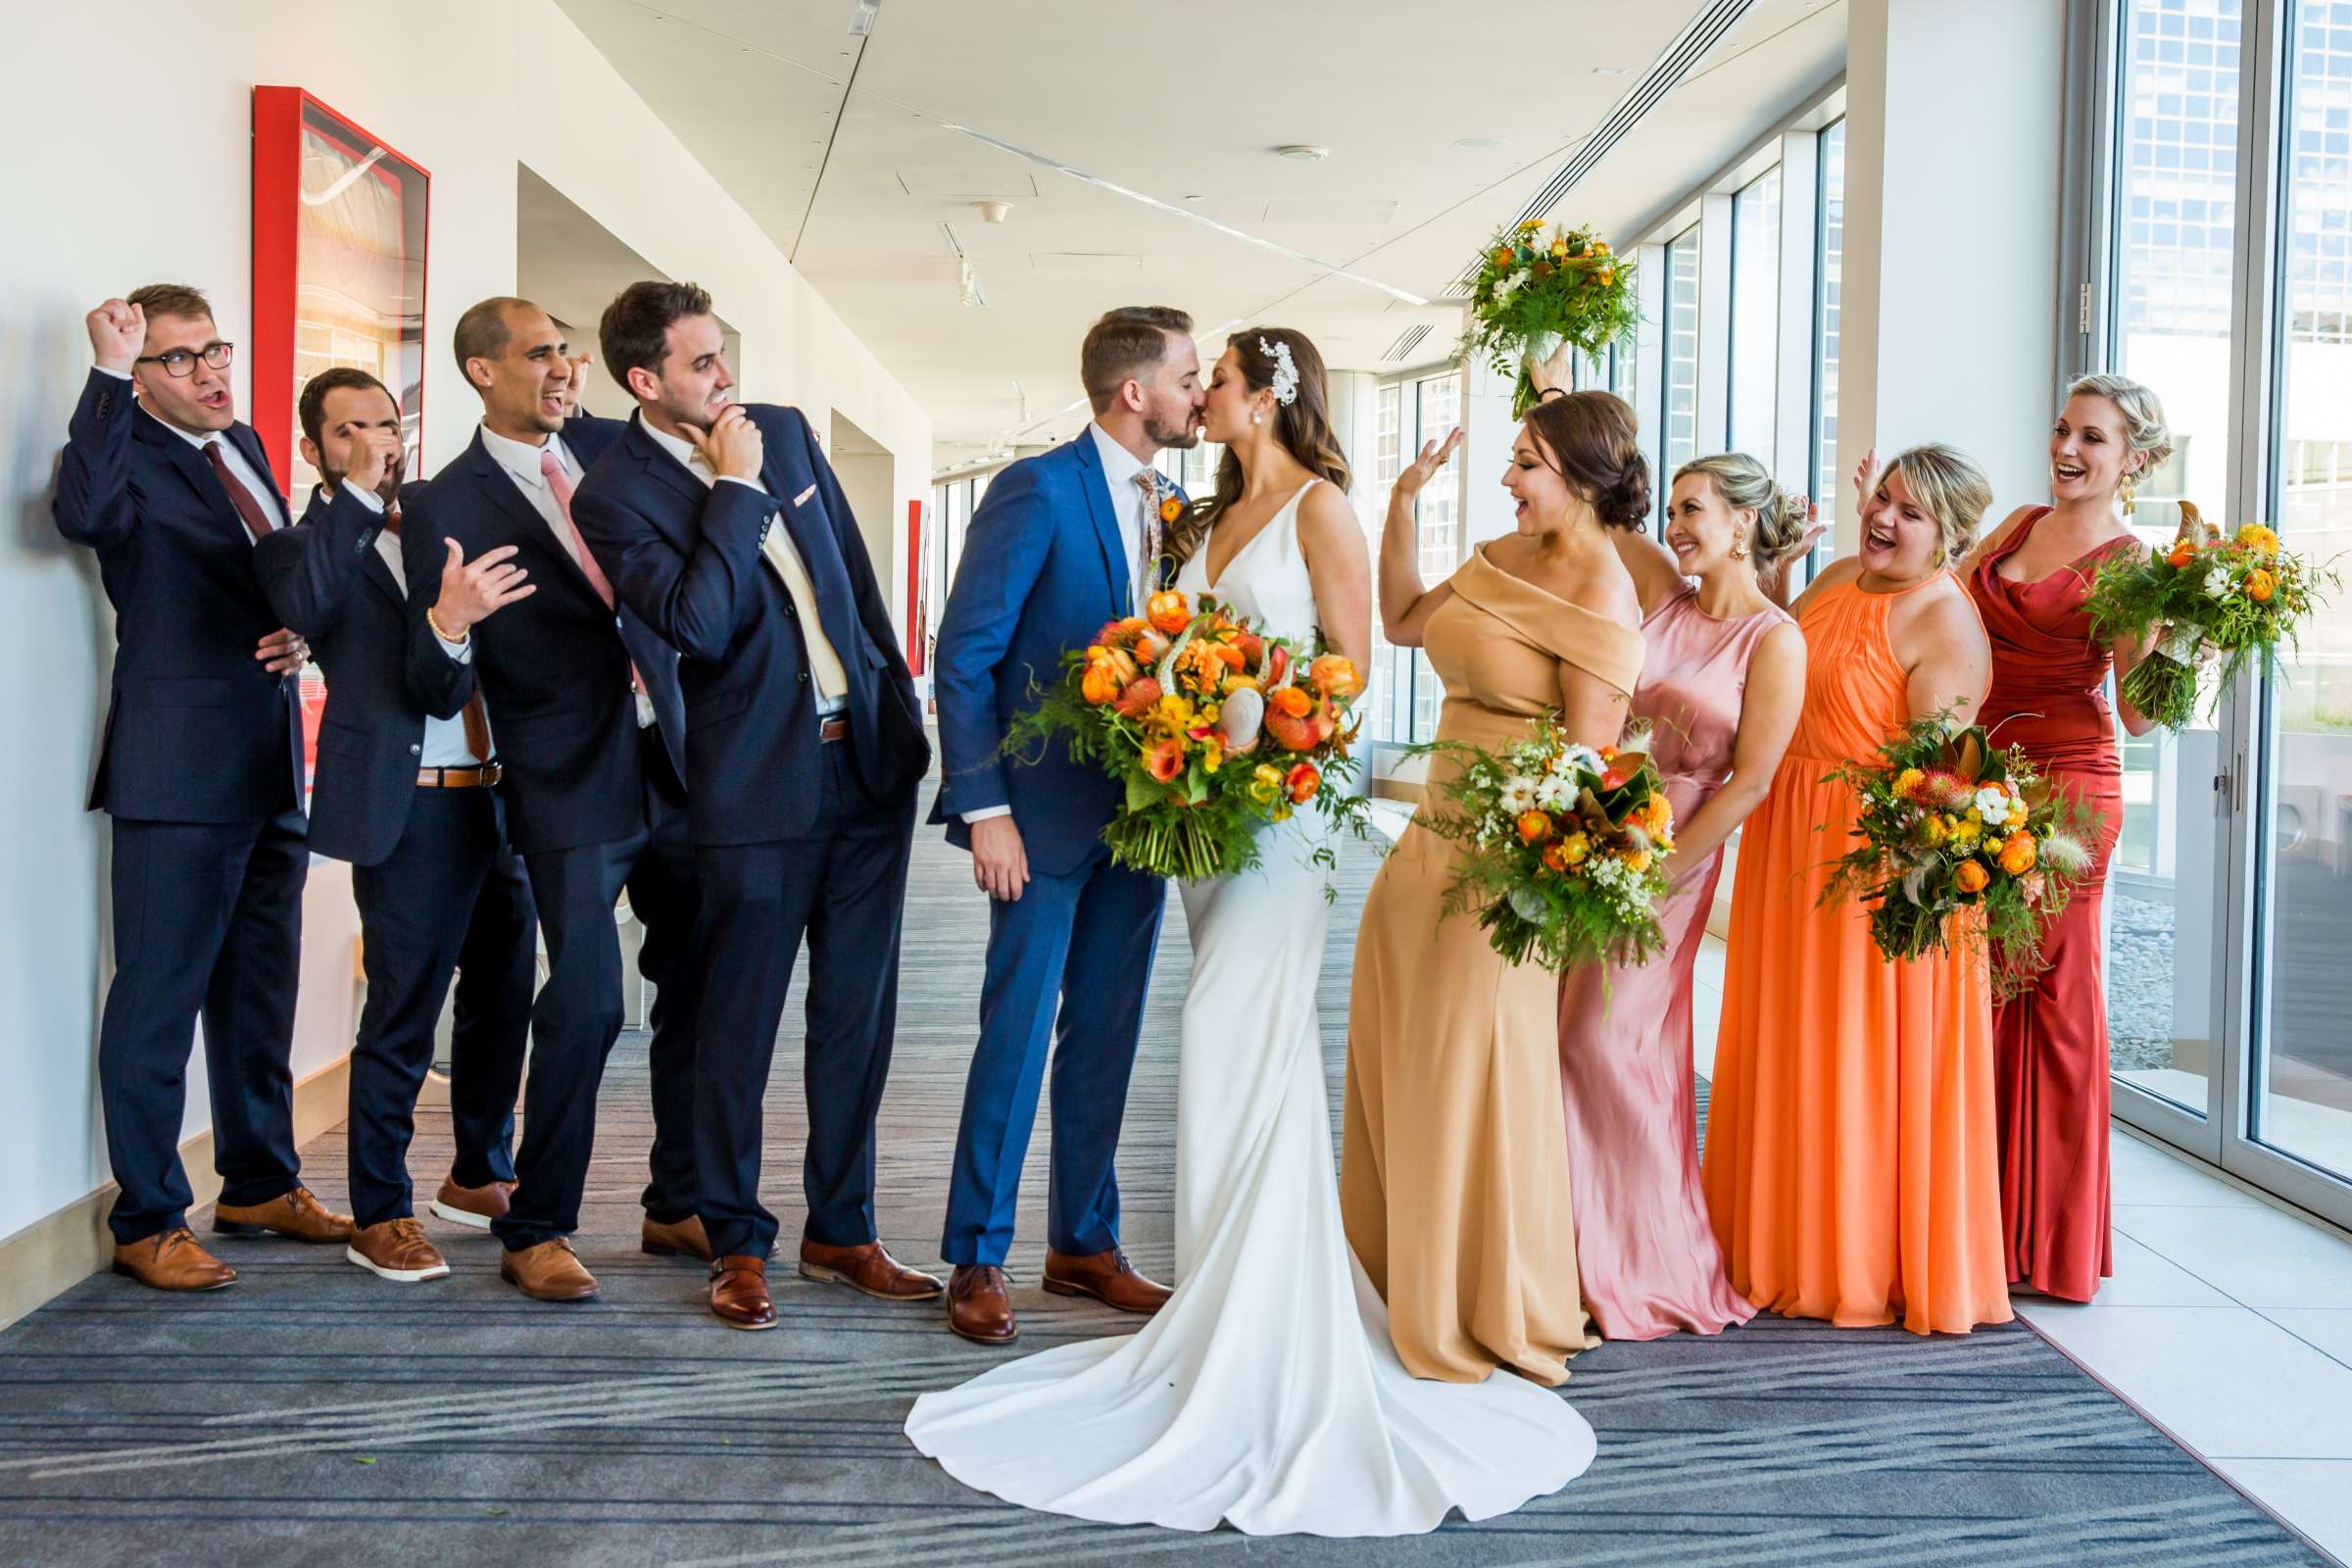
[(801, 498)]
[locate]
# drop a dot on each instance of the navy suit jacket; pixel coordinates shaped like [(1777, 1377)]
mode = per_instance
[(1044, 566), (385, 670), (196, 729), (687, 558), (553, 667)]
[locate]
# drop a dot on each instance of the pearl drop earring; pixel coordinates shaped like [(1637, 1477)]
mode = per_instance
[(1256, 417)]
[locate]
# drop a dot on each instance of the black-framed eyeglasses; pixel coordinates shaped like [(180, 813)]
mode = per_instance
[(182, 362)]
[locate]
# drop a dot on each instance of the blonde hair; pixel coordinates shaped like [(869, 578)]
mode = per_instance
[(1747, 485), (2144, 429), (1949, 487)]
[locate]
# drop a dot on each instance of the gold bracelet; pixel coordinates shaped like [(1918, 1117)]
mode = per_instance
[(460, 640)]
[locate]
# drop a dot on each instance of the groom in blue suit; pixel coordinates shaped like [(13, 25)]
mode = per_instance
[(1062, 543)]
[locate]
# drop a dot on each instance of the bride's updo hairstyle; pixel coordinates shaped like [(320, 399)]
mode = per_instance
[(1590, 439), (1745, 485), (1302, 426)]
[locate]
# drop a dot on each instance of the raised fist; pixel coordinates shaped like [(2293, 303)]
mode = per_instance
[(117, 331)]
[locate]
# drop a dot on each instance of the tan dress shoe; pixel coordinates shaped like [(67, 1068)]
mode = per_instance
[(173, 1261), (978, 1308), (1108, 1277), (681, 1237), (870, 1268), (396, 1250), (739, 1295), (298, 1214), (476, 1207), (548, 1272)]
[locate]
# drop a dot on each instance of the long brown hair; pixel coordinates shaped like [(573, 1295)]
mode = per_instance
[(1302, 426)]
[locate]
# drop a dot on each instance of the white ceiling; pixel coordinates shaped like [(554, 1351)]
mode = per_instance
[(1184, 104)]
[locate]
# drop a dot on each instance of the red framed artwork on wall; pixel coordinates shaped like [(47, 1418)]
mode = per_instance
[(339, 230)]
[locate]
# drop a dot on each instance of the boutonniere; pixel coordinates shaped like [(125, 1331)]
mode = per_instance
[(1170, 509)]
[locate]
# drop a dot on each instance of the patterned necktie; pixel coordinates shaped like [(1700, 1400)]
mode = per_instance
[(1147, 576), (559, 483), (249, 506)]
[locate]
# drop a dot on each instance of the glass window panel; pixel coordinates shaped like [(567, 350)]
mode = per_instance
[(1755, 313), (1830, 250), (1681, 421), (1438, 409)]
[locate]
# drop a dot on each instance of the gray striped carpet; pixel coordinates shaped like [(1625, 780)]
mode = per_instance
[(315, 1415)]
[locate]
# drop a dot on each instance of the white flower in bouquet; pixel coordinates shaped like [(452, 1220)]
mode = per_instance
[(2217, 583), (1993, 804), (1518, 794), (1576, 758), (1554, 794)]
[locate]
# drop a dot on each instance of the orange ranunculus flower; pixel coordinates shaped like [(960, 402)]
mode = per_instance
[(1657, 813), (2181, 554), (2260, 585), (1972, 876), (1335, 675), (1302, 782), (1292, 701), (2018, 855), (1556, 857), (1169, 612), (1121, 663), (1608, 754), (1100, 684), (1170, 509), (1504, 254), (1234, 657), (1534, 827), (1163, 758)]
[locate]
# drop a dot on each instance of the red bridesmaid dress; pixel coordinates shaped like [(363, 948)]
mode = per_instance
[(2050, 1040)]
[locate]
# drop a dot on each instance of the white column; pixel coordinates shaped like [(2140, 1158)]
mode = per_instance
[(1949, 323)]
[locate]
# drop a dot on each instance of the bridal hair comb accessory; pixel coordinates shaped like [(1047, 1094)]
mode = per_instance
[(1286, 371)]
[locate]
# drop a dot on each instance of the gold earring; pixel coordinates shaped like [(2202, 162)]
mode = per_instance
[(2129, 506), (1739, 548)]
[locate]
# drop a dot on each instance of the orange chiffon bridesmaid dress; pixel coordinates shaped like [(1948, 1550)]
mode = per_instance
[(1851, 1163), (2050, 1040)]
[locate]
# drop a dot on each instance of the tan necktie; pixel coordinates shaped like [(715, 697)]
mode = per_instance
[(1148, 573), (824, 665)]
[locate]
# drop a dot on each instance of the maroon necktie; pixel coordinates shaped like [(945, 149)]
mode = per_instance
[(248, 505)]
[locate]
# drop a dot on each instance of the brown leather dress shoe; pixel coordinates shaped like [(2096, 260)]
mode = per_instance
[(1108, 1277), (868, 1268), (476, 1207), (298, 1214), (173, 1261), (739, 1295), (679, 1238), (548, 1272), (978, 1308), (396, 1250)]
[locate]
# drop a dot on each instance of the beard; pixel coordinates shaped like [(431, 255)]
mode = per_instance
[(1183, 434), (388, 492)]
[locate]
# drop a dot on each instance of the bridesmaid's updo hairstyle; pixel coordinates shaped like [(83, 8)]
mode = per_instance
[(1590, 439), (2145, 429), (1746, 486), (1949, 487)]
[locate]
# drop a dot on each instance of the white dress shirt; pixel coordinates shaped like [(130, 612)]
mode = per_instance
[(521, 459), (260, 489), (783, 558), (1119, 468), (444, 738)]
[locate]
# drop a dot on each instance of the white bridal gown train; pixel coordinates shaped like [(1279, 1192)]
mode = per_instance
[(1266, 1393)]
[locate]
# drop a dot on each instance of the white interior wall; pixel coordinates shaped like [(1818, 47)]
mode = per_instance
[(148, 178)]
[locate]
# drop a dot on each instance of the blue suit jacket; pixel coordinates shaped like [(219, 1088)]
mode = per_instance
[(196, 729), (1044, 566), (686, 558), (385, 670), (553, 667)]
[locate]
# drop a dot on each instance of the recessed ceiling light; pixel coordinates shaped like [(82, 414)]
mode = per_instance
[(1482, 144), (1303, 152), (1608, 71)]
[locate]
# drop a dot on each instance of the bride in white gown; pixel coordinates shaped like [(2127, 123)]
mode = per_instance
[(1265, 1392)]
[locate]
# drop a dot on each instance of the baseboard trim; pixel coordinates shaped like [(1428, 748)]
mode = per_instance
[(52, 1255)]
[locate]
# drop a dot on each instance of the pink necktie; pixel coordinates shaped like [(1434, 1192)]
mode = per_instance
[(560, 484)]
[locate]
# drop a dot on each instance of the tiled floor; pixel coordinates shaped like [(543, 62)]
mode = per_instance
[(2229, 1320)]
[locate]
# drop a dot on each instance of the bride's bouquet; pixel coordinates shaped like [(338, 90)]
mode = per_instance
[(1214, 729), (1960, 844), (1562, 847), (1531, 296), (2235, 596)]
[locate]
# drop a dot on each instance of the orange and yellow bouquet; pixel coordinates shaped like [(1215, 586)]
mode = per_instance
[(1215, 730), (1961, 843), (1562, 847)]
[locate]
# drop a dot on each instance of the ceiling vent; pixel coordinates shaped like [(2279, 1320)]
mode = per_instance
[(1704, 31), (1406, 341)]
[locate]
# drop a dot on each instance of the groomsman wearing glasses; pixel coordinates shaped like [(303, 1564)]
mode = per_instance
[(584, 702), (403, 792), (201, 771), (724, 526)]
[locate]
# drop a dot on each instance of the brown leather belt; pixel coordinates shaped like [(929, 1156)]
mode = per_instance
[(459, 778), (835, 728)]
